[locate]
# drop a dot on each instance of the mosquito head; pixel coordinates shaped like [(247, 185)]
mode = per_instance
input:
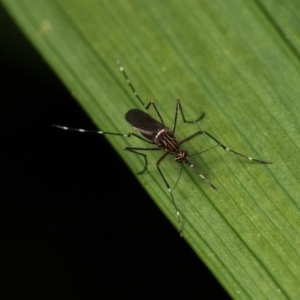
[(182, 156)]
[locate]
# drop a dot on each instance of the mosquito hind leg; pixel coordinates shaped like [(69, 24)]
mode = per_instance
[(136, 94)]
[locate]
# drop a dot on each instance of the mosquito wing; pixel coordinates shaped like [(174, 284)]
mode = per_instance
[(144, 123)]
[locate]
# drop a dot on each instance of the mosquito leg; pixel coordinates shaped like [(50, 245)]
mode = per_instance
[(121, 68), (139, 137), (146, 106), (178, 106), (91, 131), (178, 214), (156, 110), (176, 116), (81, 130), (203, 132), (136, 151), (127, 135), (141, 154), (202, 176)]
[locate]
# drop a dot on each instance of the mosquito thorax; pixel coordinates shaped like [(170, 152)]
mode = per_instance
[(166, 140)]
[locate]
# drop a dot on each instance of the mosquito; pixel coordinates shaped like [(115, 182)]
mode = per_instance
[(156, 133)]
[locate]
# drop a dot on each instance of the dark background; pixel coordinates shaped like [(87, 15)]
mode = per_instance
[(66, 233)]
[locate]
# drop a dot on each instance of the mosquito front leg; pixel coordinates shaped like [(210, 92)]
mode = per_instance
[(203, 177), (178, 214)]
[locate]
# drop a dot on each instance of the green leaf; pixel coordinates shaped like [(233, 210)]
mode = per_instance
[(236, 60)]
